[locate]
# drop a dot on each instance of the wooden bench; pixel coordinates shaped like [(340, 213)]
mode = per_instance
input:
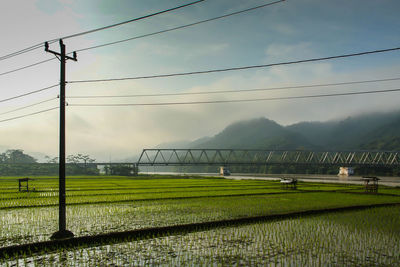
[(289, 183)]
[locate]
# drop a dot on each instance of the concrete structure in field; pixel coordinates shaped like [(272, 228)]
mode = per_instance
[(224, 171), (346, 171)]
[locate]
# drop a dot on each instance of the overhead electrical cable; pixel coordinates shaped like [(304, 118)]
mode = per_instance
[(30, 114), (234, 100), (34, 47), (28, 106), (239, 91), (145, 35), (23, 51), (29, 93), (27, 66), (132, 20), (179, 27), (237, 68)]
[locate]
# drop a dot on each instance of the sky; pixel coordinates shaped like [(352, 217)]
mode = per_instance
[(286, 31)]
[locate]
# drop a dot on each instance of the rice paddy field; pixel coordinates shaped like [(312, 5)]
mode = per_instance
[(100, 205)]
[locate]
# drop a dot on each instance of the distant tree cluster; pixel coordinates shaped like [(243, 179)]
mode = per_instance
[(80, 158), (14, 162), (16, 156), (80, 164)]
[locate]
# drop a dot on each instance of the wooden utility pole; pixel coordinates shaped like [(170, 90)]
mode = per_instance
[(62, 230)]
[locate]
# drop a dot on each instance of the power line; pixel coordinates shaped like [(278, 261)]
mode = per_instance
[(27, 66), (25, 50), (132, 20), (235, 101), (34, 47), (27, 115), (29, 93), (237, 68), (141, 36), (240, 91), (28, 106), (179, 27)]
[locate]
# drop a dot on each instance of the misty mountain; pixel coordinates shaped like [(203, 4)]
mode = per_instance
[(177, 144), (370, 131), (380, 131), (385, 137), (255, 134)]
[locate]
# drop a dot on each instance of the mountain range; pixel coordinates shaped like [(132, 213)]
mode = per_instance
[(374, 131)]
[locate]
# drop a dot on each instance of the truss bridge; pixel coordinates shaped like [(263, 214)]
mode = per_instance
[(225, 157)]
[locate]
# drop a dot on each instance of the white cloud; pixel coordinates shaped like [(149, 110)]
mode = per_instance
[(123, 131)]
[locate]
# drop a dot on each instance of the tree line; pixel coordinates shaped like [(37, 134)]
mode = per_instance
[(14, 162)]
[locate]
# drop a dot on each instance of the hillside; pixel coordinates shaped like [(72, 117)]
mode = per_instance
[(371, 131), (255, 134), (386, 137), (379, 131)]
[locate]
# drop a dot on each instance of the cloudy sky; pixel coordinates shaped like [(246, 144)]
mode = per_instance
[(287, 31)]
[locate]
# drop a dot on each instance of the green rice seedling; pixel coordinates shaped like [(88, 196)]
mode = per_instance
[(127, 204)]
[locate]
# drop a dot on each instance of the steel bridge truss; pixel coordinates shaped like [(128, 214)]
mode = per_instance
[(225, 157)]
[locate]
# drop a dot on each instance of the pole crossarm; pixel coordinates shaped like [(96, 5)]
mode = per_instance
[(179, 157)]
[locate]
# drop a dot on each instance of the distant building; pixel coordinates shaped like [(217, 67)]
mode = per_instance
[(224, 171), (346, 171)]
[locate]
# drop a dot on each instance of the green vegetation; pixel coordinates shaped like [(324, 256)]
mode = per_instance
[(362, 238), (16, 162), (16, 156), (379, 131), (98, 205)]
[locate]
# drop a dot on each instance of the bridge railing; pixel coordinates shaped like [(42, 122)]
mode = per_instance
[(173, 157)]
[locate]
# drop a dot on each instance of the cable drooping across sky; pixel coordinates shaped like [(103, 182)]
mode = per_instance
[(34, 47), (23, 51), (27, 115), (29, 93), (224, 70), (241, 90), (131, 20), (27, 66), (179, 27), (235, 100), (144, 36), (238, 68), (206, 102), (28, 106)]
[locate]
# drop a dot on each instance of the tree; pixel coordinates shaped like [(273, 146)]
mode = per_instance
[(80, 158), (16, 156), (51, 160), (72, 159), (85, 159), (79, 164)]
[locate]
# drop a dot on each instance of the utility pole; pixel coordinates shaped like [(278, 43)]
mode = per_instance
[(62, 231)]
